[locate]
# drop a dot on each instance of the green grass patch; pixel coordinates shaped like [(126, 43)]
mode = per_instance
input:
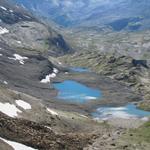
[(140, 135), (144, 106)]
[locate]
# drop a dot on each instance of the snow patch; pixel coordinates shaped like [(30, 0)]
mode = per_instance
[(1, 54), (109, 113), (5, 82), (145, 119), (11, 11), (52, 112), (27, 16), (84, 116), (9, 109), (3, 8), (53, 75), (81, 96), (121, 114), (3, 30), (127, 112), (46, 80), (118, 108), (90, 97), (66, 72), (55, 70), (48, 77), (17, 146), (19, 42), (19, 58), (48, 127), (23, 104)]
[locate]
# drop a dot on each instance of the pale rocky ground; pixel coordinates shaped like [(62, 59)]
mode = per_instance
[(35, 117)]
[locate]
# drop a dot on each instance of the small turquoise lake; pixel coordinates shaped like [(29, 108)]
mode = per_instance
[(78, 69), (125, 112), (72, 91), (75, 92)]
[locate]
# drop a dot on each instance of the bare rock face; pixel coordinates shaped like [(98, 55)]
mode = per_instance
[(25, 45), (125, 69), (22, 31), (35, 37), (29, 35), (38, 136), (118, 15)]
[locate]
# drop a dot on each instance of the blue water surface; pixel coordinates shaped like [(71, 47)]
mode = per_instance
[(132, 109), (78, 69), (128, 111), (74, 92)]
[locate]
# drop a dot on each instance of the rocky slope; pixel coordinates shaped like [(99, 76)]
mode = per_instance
[(108, 26), (30, 115), (117, 15), (134, 44), (132, 72), (24, 66), (25, 45), (20, 30), (38, 136)]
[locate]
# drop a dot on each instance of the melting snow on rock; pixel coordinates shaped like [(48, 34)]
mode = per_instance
[(5, 82), (20, 58), (52, 112), (130, 111), (48, 77), (23, 104), (3, 30), (17, 146), (3, 8), (9, 109)]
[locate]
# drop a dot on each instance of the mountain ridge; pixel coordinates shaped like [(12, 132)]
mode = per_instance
[(34, 58), (93, 12)]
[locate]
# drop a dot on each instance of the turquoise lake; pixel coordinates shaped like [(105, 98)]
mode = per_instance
[(125, 112), (75, 92), (78, 69)]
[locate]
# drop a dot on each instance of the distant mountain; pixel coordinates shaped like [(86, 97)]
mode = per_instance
[(118, 15), (25, 47), (26, 74), (25, 31)]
